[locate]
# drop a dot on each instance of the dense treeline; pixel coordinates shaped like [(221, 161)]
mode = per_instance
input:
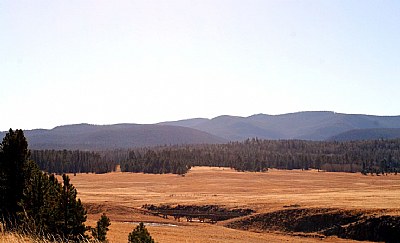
[(66, 161), (381, 156), (375, 156), (141, 160), (155, 162)]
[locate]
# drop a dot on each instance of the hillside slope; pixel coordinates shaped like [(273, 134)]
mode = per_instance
[(367, 134), (313, 125), (95, 137)]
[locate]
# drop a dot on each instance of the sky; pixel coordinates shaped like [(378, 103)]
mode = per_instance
[(107, 62)]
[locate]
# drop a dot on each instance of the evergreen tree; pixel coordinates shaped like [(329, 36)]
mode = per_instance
[(71, 214), (14, 155), (31, 198), (52, 203), (100, 232), (364, 168), (40, 203), (33, 203), (140, 235)]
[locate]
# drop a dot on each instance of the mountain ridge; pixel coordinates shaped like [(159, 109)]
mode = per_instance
[(306, 125), (118, 136)]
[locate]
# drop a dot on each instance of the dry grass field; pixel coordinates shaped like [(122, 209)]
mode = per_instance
[(121, 195)]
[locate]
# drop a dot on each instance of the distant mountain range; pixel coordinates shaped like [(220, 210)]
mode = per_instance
[(119, 136), (312, 125)]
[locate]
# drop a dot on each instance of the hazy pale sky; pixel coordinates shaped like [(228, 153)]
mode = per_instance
[(105, 62)]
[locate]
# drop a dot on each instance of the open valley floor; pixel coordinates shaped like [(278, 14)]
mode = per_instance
[(280, 195)]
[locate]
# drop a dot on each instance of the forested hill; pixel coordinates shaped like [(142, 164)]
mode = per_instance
[(316, 126), (120, 136), (367, 134), (312, 125)]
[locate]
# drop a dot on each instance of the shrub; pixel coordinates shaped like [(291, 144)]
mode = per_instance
[(140, 235)]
